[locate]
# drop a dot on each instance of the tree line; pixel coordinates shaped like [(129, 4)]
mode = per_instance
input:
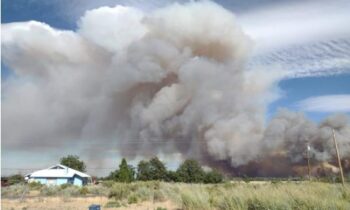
[(189, 171)]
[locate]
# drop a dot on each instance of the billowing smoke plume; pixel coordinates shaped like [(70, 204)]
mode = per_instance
[(170, 81)]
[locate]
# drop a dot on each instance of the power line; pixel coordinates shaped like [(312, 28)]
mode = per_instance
[(131, 142), (141, 141)]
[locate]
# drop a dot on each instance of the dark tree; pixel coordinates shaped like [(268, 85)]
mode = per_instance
[(125, 173), (113, 175), (157, 169), (72, 161), (132, 172), (190, 171), (213, 177), (143, 170), (171, 176), (151, 170)]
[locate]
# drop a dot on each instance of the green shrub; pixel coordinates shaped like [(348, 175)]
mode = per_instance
[(144, 193), (158, 196), (98, 190), (49, 190), (67, 191), (132, 199), (14, 191), (83, 191), (153, 185), (108, 183), (71, 191), (119, 192), (35, 185), (64, 186), (112, 204)]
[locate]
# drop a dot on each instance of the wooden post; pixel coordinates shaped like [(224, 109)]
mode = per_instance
[(338, 156), (308, 161)]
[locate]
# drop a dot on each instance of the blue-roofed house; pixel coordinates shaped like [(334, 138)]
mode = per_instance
[(59, 174)]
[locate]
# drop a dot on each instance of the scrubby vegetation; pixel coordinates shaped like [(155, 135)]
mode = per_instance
[(235, 195)]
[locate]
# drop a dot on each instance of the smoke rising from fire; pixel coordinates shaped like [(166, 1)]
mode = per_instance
[(170, 81)]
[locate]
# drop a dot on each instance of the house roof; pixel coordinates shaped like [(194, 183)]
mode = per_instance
[(57, 171)]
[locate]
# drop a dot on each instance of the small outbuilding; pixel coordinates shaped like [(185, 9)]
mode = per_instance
[(59, 174)]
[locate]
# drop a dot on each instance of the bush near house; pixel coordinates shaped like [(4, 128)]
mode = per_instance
[(15, 179)]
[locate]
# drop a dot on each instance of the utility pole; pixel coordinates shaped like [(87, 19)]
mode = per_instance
[(308, 161), (339, 162)]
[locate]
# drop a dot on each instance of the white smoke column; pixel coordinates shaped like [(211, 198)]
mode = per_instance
[(151, 82)]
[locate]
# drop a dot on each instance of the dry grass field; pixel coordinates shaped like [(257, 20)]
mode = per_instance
[(77, 203), (161, 196)]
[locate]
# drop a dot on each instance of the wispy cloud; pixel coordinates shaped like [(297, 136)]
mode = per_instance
[(299, 38), (326, 103), (294, 23), (329, 57)]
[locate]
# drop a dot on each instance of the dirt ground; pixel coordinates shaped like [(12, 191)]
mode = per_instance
[(57, 203)]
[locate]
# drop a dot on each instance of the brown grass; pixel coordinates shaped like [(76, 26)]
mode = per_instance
[(57, 203)]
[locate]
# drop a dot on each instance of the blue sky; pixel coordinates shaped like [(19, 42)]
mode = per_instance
[(64, 13), (317, 65), (298, 89)]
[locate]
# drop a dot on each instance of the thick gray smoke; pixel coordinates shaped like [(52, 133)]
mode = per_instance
[(170, 81), (290, 133)]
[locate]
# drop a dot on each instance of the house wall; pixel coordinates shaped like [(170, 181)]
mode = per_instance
[(55, 181), (62, 181), (51, 181)]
